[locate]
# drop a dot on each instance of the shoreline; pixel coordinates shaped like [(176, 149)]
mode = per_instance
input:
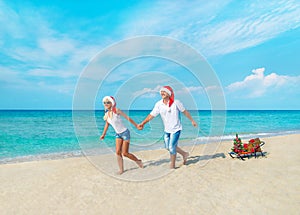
[(183, 142), (210, 183)]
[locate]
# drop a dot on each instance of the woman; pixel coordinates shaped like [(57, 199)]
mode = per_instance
[(113, 117)]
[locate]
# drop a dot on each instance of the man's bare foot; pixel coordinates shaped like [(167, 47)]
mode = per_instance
[(185, 157), (120, 172), (172, 167), (140, 163)]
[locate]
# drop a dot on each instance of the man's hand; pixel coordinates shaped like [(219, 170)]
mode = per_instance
[(140, 126), (194, 123)]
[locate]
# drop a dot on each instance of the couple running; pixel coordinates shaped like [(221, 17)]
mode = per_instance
[(167, 107)]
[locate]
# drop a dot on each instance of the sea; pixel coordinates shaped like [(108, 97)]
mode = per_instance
[(50, 134)]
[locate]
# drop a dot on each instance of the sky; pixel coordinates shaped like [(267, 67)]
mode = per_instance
[(252, 48)]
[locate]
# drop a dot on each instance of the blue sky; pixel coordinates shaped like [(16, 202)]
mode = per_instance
[(253, 47)]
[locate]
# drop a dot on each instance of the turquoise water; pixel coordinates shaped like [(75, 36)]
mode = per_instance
[(26, 135)]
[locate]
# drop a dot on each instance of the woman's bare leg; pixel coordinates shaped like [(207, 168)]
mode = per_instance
[(125, 152), (119, 143)]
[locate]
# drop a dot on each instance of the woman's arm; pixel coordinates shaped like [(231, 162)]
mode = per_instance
[(188, 115), (104, 131), (127, 117)]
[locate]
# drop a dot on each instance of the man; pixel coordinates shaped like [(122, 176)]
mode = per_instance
[(169, 110)]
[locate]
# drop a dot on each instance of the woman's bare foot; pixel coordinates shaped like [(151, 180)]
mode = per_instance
[(185, 157), (140, 163), (120, 172)]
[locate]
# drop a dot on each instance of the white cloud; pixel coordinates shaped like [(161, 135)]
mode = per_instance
[(252, 24), (182, 91), (254, 27), (167, 17), (11, 77), (29, 37), (66, 88), (45, 72), (257, 84), (208, 30), (147, 92), (194, 89), (10, 22), (199, 90), (15, 80), (56, 47)]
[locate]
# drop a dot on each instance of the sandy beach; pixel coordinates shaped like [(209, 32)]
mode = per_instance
[(209, 183)]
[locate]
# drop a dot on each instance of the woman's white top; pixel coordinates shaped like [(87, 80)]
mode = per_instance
[(116, 122)]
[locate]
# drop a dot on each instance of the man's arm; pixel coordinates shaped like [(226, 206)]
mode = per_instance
[(188, 115), (148, 118)]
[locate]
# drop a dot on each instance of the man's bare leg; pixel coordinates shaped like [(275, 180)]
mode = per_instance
[(184, 154), (173, 159)]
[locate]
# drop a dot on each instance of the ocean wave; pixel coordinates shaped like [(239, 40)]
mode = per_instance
[(51, 156), (209, 139), (136, 147)]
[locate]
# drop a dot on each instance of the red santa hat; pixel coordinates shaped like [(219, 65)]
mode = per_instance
[(170, 92), (113, 102)]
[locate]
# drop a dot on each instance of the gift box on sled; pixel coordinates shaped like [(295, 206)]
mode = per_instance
[(242, 150)]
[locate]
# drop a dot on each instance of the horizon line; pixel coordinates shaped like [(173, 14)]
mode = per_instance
[(17, 109)]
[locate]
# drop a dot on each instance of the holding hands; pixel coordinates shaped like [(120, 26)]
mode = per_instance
[(140, 126)]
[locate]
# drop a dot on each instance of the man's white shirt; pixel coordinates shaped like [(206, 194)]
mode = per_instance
[(169, 115)]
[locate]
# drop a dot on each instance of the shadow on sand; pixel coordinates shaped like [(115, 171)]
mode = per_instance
[(196, 159), (190, 160), (157, 162)]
